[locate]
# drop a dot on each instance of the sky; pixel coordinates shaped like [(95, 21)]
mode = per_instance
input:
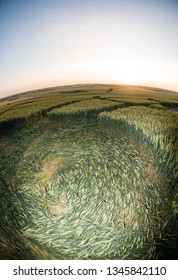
[(46, 43)]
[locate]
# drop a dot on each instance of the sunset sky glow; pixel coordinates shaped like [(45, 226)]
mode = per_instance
[(59, 42)]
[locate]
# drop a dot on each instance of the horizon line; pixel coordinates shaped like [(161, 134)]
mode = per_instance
[(82, 84)]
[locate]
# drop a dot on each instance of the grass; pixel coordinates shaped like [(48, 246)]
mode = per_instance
[(158, 128), (26, 112), (83, 109), (95, 185), (99, 207)]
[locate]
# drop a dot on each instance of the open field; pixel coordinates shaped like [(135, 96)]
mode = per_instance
[(89, 172)]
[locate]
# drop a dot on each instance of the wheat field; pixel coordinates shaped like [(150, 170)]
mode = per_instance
[(89, 172)]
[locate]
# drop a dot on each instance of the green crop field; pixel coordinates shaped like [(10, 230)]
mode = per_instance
[(89, 172)]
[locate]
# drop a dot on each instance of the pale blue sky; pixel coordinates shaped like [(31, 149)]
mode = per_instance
[(55, 42)]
